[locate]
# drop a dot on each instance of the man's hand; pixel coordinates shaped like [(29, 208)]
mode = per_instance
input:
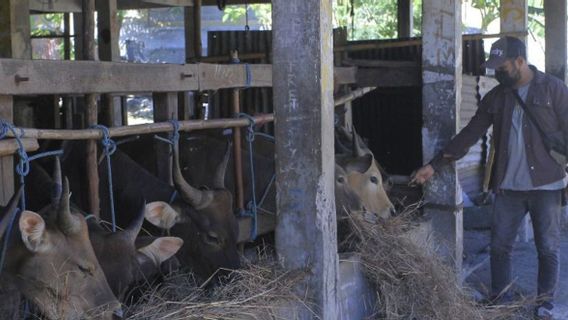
[(422, 175)]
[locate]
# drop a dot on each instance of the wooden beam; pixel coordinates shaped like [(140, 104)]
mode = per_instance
[(79, 77), (306, 233), (234, 2), (216, 76), (388, 77)]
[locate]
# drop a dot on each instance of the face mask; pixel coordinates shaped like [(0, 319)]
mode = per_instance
[(504, 78)]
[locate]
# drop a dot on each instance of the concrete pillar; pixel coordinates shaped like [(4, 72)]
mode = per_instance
[(14, 43), (555, 14), (514, 17), (404, 18), (441, 96), (306, 232)]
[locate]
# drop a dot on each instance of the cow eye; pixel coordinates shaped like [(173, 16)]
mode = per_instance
[(212, 237), (374, 180), (85, 269), (341, 180)]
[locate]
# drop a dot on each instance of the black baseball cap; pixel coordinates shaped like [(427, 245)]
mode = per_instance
[(503, 49)]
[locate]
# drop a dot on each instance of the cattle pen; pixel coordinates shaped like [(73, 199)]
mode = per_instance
[(328, 106)]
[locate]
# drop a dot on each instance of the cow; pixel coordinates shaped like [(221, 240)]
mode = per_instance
[(125, 259), (363, 172), (52, 263), (206, 222)]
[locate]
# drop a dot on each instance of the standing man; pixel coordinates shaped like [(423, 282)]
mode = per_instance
[(525, 178)]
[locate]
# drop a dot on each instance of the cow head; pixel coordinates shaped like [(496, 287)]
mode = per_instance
[(364, 176), (53, 264), (124, 264), (204, 220)]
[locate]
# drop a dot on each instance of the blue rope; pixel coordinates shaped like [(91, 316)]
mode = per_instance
[(173, 136), (252, 207), (109, 147)]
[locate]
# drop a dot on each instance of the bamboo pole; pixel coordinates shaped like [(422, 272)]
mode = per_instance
[(10, 146), (116, 132), (353, 95)]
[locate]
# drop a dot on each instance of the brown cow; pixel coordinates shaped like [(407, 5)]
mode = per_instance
[(209, 229), (363, 173), (52, 263)]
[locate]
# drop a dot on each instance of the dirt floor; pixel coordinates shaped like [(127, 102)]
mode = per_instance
[(524, 268)]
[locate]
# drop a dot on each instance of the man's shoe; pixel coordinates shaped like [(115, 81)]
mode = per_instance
[(544, 311)]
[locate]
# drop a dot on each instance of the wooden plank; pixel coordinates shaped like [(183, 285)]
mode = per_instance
[(380, 63), (222, 76), (388, 77), (55, 6), (6, 163), (60, 77), (10, 146), (404, 18)]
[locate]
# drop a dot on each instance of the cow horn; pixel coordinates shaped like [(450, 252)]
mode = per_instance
[(131, 232), (357, 150), (10, 211), (219, 181), (57, 185), (188, 193), (67, 222)]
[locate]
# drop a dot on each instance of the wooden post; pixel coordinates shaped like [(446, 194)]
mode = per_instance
[(192, 18), (193, 48), (165, 108), (404, 21), (306, 233), (108, 31), (91, 109), (237, 150), (555, 13), (14, 43), (441, 75)]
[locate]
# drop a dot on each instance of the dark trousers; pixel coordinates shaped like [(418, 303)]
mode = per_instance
[(509, 209)]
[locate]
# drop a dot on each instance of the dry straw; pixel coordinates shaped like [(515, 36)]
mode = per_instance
[(410, 281), (258, 291)]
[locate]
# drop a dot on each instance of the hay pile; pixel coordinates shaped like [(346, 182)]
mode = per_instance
[(257, 291), (410, 281)]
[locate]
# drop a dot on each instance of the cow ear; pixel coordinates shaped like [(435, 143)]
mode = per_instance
[(159, 250), (161, 214), (34, 235)]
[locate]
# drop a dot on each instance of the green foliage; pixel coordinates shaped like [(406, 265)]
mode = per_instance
[(373, 19)]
